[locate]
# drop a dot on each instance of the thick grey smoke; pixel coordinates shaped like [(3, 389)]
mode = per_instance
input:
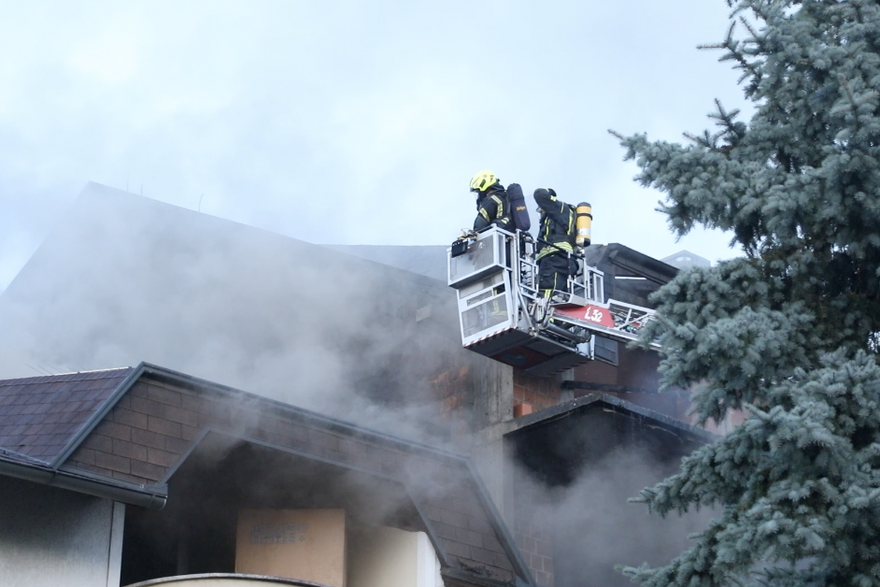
[(593, 528), (125, 279)]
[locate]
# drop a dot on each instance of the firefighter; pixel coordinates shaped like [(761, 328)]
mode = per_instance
[(556, 241), (493, 205)]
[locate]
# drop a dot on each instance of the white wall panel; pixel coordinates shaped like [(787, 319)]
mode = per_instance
[(52, 537)]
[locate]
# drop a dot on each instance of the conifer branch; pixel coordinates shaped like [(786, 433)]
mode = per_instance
[(857, 6), (849, 94), (707, 140), (664, 321), (733, 52), (751, 30), (723, 44), (758, 413), (757, 11)]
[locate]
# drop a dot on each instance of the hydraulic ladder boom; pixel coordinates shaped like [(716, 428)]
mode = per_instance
[(496, 279)]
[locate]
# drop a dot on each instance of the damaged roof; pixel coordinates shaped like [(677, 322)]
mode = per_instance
[(122, 434)]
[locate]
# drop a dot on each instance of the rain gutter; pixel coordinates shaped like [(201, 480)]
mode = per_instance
[(151, 498)]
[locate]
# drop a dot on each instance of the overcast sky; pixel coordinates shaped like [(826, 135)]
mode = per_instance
[(349, 122)]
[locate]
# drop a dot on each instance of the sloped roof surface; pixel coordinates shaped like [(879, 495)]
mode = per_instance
[(40, 416), (131, 429), (630, 276)]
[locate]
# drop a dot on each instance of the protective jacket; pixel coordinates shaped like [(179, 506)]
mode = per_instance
[(493, 207), (557, 231)]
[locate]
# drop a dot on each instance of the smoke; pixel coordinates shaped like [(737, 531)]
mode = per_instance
[(592, 527), (125, 279)]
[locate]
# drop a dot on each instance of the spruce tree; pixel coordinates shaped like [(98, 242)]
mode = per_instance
[(789, 331)]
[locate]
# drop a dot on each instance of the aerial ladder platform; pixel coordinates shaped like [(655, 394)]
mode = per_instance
[(495, 275)]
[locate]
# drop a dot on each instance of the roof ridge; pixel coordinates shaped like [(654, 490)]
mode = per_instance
[(62, 376), (67, 374), (90, 371)]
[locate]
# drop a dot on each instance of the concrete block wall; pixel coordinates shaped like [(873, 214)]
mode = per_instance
[(530, 533)]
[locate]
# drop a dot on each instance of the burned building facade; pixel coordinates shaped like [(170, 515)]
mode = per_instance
[(357, 397)]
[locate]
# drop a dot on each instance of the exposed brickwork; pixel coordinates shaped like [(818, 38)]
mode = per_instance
[(149, 430), (451, 388), (539, 392)]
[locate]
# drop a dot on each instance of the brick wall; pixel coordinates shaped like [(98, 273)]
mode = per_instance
[(451, 388), (536, 392)]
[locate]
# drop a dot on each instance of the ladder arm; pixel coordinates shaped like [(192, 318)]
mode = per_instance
[(617, 320)]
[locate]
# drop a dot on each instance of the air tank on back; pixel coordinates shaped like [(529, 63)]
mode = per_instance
[(583, 224)]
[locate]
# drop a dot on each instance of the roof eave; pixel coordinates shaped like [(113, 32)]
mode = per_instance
[(153, 498), (457, 578), (549, 414)]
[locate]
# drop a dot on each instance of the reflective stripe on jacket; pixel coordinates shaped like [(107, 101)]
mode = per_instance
[(493, 207), (557, 231)]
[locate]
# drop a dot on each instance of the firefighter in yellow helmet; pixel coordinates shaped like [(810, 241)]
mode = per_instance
[(493, 205)]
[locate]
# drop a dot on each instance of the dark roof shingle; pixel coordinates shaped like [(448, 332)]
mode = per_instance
[(40, 416)]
